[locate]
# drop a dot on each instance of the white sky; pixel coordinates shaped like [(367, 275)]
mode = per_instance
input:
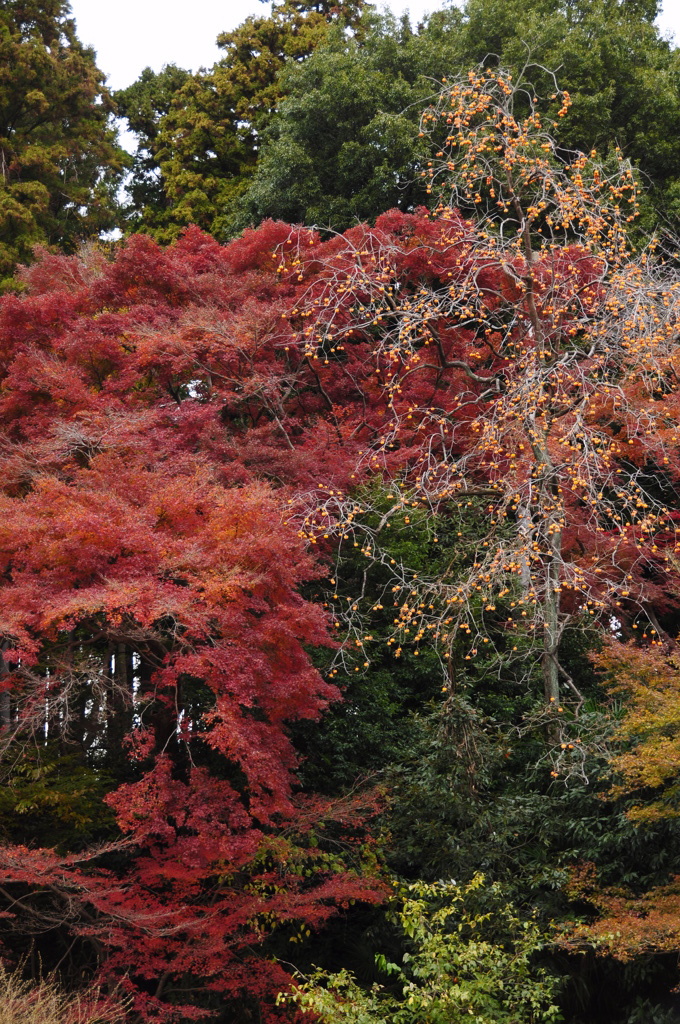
[(130, 35)]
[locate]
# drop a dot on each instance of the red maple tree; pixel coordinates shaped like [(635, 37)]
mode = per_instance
[(151, 614)]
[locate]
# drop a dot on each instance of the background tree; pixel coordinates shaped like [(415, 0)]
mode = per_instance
[(144, 104), (341, 146), (316, 127), (59, 160), (200, 134)]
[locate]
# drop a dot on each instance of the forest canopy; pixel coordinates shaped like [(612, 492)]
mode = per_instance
[(338, 538)]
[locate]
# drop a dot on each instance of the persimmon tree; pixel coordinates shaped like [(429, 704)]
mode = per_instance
[(522, 357)]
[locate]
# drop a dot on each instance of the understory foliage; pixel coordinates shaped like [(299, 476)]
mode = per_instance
[(468, 955), (307, 544)]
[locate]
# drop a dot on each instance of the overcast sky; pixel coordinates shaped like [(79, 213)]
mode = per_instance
[(151, 33)]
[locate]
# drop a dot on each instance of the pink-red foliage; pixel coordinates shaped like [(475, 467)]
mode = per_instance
[(144, 457), (158, 413)]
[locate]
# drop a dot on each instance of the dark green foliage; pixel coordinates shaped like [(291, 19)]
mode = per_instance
[(359, 737), (386, 686), (144, 104), (200, 134), (344, 145), (52, 797), (477, 795)]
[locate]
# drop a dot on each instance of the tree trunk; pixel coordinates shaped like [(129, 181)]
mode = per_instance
[(551, 626)]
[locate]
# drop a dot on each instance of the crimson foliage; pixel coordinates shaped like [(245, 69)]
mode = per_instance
[(151, 612), (168, 421)]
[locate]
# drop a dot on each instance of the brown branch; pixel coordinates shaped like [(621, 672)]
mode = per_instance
[(451, 364)]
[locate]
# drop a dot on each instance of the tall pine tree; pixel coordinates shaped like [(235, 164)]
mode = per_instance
[(59, 161)]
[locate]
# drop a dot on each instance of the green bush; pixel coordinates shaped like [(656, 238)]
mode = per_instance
[(469, 957)]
